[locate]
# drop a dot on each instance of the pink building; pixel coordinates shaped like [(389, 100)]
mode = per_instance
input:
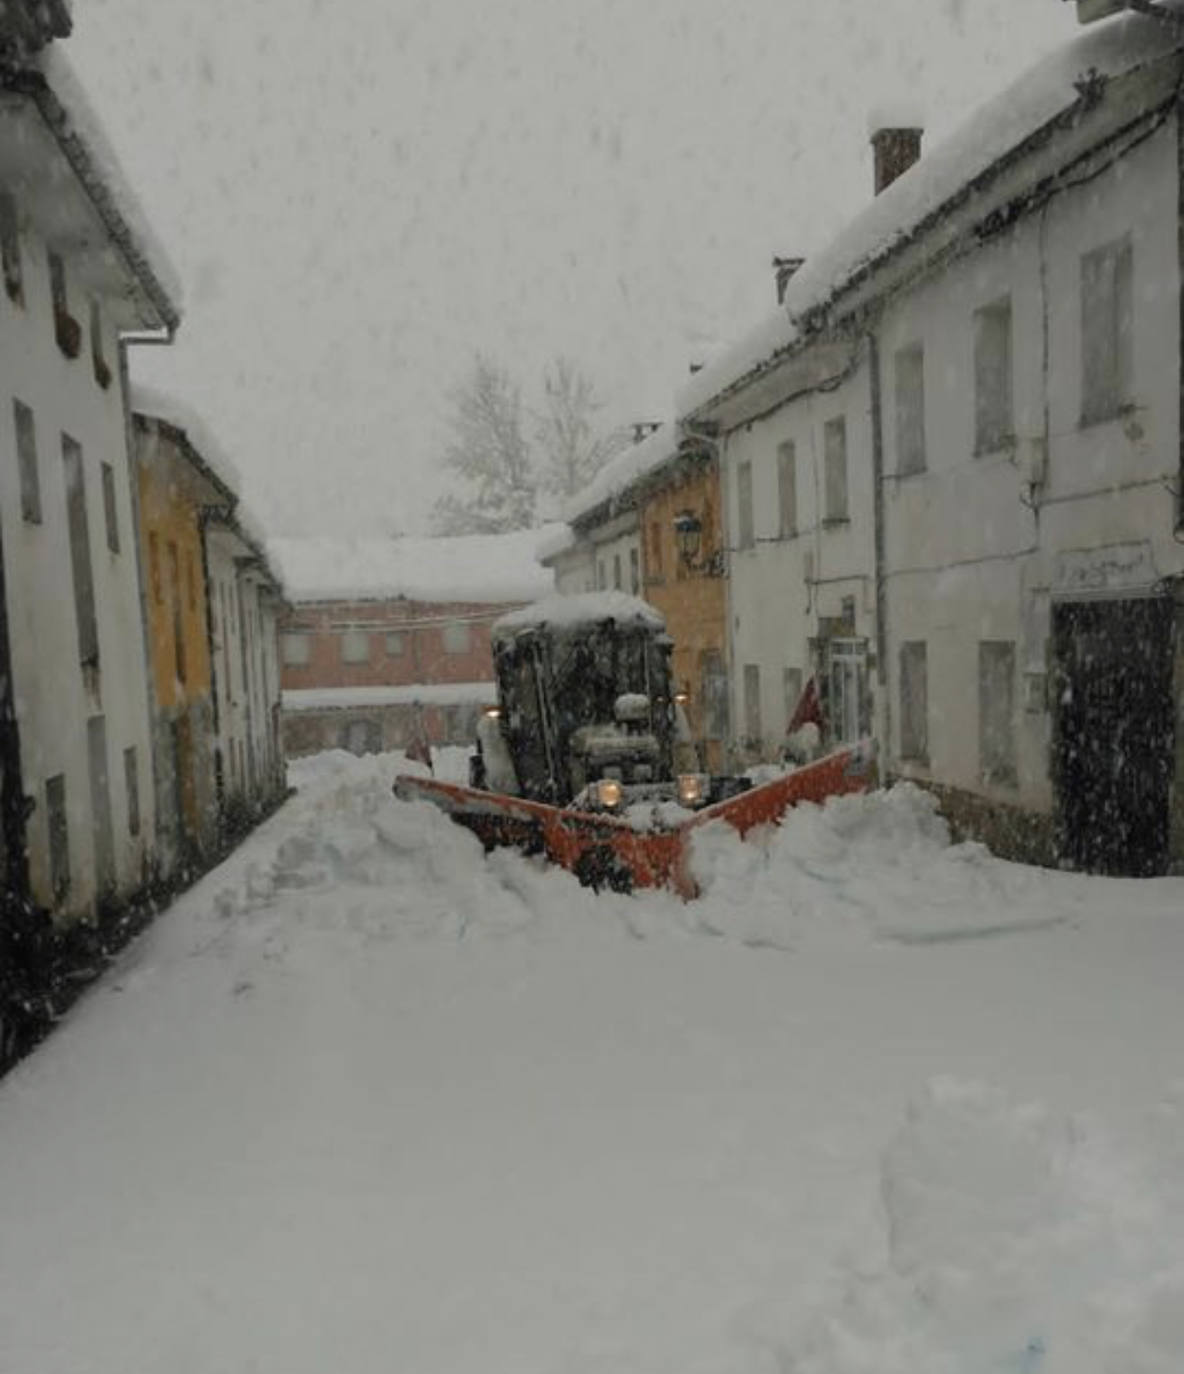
[(389, 638)]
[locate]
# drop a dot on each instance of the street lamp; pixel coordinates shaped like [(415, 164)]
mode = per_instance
[(688, 535)]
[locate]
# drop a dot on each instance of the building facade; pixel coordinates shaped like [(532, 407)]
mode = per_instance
[(246, 607), (79, 800), (983, 372), (387, 643), (176, 488)]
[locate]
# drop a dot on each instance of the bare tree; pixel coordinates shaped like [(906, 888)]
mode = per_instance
[(573, 449), (490, 454)]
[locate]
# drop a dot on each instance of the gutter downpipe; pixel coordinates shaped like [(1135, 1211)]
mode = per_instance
[(879, 549)]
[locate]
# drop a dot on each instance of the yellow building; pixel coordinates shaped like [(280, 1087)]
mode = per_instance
[(683, 571), (176, 486)]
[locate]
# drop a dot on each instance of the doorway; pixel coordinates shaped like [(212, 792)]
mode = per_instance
[(846, 670), (1113, 734)]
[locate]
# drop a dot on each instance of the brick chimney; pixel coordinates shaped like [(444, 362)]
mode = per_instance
[(784, 271), (895, 151)]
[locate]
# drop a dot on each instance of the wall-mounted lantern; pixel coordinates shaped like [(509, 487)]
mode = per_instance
[(688, 536), (688, 539)]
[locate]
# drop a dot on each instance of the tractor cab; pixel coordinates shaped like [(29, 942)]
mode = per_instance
[(586, 710)]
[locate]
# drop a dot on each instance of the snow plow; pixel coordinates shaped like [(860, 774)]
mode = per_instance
[(587, 757)]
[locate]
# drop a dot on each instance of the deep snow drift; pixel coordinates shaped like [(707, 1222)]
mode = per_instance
[(366, 1100)]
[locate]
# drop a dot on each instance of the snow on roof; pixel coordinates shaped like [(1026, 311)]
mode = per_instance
[(161, 405), (426, 694), (560, 541), (481, 568), (75, 120), (999, 126), (623, 471), (586, 608)]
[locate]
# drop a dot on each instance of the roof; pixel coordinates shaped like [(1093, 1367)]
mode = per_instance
[(51, 87), (151, 405), (485, 569), (925, 192), (625, 469), (585, 608)]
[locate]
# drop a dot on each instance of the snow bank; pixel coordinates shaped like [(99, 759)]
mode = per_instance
[(582, 608), (990, 132), (480, 568), (1016, 1243), (878, 866)]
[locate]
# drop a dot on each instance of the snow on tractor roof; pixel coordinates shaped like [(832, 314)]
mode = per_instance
[(576, 612)]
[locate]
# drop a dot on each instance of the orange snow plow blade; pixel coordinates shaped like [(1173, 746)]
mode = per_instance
[(607, 851)]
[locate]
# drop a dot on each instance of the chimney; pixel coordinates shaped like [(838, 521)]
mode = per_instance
[(784, 271), (896, 150)]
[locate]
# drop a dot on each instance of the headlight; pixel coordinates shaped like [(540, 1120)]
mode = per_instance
[(692, 789), (492, 712), (607, 792)]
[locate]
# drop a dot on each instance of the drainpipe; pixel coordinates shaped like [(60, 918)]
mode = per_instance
[(149, 836), (879, 557)]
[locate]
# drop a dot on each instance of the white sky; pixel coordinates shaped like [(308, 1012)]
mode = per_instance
[(360, 195)]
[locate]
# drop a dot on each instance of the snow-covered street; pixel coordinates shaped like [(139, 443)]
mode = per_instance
[(366, 1100)]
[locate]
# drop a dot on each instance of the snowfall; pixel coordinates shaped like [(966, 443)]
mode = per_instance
[(366, 1100)]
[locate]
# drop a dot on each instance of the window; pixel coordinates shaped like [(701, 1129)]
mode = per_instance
[(834, 447), (83, 574), (26, 452), (59, 836), (362, 736), (791, 679), (175, 602), (1107, 316), (744, 525), (191, 580), (635, 571), (131, 775), (457, 639), (914, 702), (714, 694), (993, 423), (355, 646), (752, 703), (395, 644), (10, 250), (295, 649), (787, 489), (910, 410), (996, 711), (601, 575), (67, 330), (101, 368), (617, 584), (655, 548), (109, 507), (154, 567)]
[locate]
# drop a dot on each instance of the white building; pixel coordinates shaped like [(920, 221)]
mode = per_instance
[(1011, 308), (246, 603), (80, 277)]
